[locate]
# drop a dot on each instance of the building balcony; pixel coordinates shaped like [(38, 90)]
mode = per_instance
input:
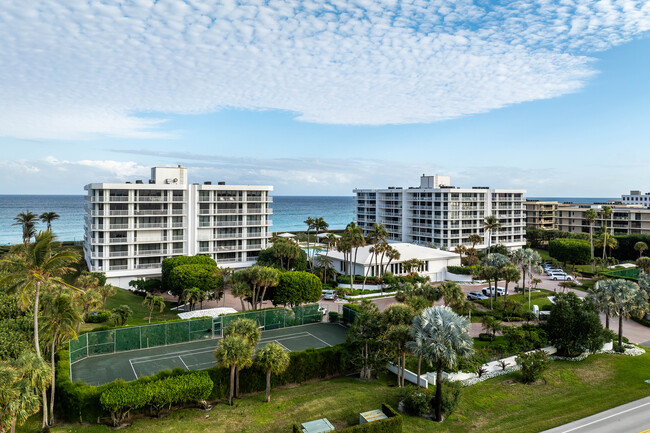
[(117, 198), (153, 226), (118, 212), (119, 240), (150, 252), (151, 212), (147, 266), (151, 198), (178, 251), (118, 267)]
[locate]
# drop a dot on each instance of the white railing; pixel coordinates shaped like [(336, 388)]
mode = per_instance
[(119, 240), (118, 212), (97, 199), (178, 211), (152, 225), (117, 198), (118, 267), (151, 198), (178, 238), (98, 213), (118, 226), (228, 223), (229, 261), (204, 249), (229, 211), (97, 227), (225, 198), (204, 211), (147, 266), (181, 224), (175, 198), (151, 212), (118, 253), (227, 248), (177, 251), (149, 252)]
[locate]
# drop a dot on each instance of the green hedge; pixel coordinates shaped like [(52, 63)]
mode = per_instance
[(574, 251), (392, 424), (460, 270), (171, 262), (80, 402)]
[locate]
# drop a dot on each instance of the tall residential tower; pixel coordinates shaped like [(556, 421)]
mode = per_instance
[(131, 227), (443, 215)]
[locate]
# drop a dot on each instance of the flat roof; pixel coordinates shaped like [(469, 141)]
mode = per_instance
[(407, 251)]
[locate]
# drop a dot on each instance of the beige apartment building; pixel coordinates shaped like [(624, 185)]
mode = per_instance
[(570, 217)]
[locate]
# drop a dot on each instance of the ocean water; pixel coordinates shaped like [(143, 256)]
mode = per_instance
[(575, 199), (289, 212)]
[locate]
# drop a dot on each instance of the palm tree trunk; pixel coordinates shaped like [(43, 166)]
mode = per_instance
[(232, 383), (620, 333), (607, 320), (523, 278), (45, 417), (399, 371), (403, 367), (591, 245), (54, 337), (237, 382), (13, 425), (419, 369), (268, 385), (37, 346), (439, 392)]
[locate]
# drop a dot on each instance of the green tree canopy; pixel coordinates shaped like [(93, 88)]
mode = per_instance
[(171, 262), (574, 251), (207, 278), (573, 326), (296, 288)]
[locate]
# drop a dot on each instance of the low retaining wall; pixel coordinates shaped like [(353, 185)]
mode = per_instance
[(457, 277), (410, 376)]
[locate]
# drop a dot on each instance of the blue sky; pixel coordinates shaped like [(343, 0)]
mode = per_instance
[(319, 98)]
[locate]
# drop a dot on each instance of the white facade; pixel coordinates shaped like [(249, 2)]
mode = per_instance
[(434, 266), (637, 198), (441, 215), (131, 227)]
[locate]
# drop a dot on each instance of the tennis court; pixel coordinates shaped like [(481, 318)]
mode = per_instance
[(194, 355)]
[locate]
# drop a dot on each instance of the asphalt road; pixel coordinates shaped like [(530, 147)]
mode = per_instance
[(632, 417)]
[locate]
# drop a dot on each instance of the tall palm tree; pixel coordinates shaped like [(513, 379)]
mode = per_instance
[(474, 239), (602, 296), (319, 225), (27, 221), (233, 352), (378, 233), (356, 240), (510, 273), (491, 224), (106, 291), (627, 300), (249, 330), (447, 338), (417, 345), (60, 324), (591, 215), (273, 359), (528, 260), (605, 240), (310, 225), (498, 262), (606, 213), (48, 217), (392, 254)]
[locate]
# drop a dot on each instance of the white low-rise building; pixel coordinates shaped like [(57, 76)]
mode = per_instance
[(434, 261), (131, 227)]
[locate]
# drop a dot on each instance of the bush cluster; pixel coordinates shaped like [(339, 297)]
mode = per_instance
[(460, 270), (422, 401), (533, 364), (100, 317), (155, 394), (576, 251)]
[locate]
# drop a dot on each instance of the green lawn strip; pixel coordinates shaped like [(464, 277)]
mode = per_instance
[(140, 312), (537, 297), (571, 390)]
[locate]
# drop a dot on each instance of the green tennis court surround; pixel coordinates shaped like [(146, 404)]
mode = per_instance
[(184, 331), (192, 355)]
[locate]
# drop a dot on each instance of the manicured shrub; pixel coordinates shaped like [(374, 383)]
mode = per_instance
[(296, 288), (574, 251), (98, 317), (171, 262), (417, 401), (333, 316), (122, 398), (533, 364), (460, 270), (206, 278), (450, 397)]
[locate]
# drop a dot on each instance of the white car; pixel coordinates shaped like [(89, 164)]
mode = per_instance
[(487, 291), (329, 295), (551, 271), (561, 276)]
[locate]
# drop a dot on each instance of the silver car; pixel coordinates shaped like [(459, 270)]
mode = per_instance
[(329, 295)]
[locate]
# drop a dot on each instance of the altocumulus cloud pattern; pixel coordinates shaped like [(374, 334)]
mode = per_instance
[(73, 69)]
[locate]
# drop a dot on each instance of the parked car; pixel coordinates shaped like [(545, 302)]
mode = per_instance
[(550, 271), (487, 291), (561, 276), (329, 295), (476, 296)]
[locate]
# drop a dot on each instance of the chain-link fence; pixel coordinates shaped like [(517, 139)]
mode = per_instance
[(349, 315), (184, 331)]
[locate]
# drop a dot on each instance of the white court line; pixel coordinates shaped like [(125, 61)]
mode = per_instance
[(283, 346), (181, 358), (173, 354), (607, 417), (322, 341), (133, 368)]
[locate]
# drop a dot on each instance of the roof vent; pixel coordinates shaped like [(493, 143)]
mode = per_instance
[(128, 183), (207, 182), (139, 181), (221, 183), (151, 181)]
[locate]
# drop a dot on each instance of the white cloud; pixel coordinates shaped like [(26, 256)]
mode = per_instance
[(76, 69)]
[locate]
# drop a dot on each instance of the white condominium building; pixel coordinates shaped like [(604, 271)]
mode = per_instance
[(442, 215), (636, 197), (131, 227)]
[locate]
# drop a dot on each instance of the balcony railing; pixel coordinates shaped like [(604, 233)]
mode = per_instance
[(117, 198), (147, 266), (151, 198), (178, 251), (118, 254), (150, 252), (118, 267), (119, 240), (118, 212), (118, 226), (151, 212), (152, 226)]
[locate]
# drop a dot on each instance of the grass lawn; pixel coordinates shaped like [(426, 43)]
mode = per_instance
[(537, 297), (569, 391), (140, 312)]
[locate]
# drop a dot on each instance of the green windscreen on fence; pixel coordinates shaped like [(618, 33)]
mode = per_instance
[(631, 273), (348, 315), (183, 331)]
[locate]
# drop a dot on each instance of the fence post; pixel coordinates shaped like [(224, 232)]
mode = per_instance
[(165, 325), (140, 329)]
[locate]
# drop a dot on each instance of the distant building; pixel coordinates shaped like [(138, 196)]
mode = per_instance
[(434, 266), (637, 198), (131, 227), (436, 213), (541, 214)]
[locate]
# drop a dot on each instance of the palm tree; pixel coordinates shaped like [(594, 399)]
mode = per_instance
[(491, 325), (627, 300), (61, 325), (192, 296), (510, 273), (591, 215), (273, 359), (498, 262), (106, 291), (417, 346), (392, 254), (310, 225), (320, 225), (606, 213), (605, 240), (447, 339), (451, 292), (378, 233), (233, 352), (397, 320), (602, 296), (48, 217), (152, 302), (474, 239), (86, 300), (37, 264), (22, 381), (27, 220), (324, 262), (269, 277), (460, 249), (528, 260), (490, 225), (640, 247), (357, 240), (249, 330)]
